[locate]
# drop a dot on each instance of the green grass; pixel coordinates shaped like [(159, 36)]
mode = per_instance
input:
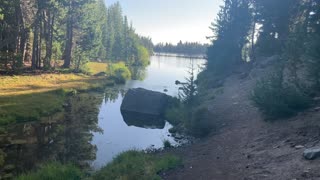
[(54, 171), (131, 165), (135, 165)]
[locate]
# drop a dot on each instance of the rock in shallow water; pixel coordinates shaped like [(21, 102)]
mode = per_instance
[(311, 154), (145, 101), (144, 108)]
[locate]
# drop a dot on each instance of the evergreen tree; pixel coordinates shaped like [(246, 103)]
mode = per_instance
[(231, 31)]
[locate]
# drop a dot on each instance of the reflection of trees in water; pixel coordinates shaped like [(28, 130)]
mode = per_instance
[(81, 120), (138, 72), (64, 137), (112, 94)]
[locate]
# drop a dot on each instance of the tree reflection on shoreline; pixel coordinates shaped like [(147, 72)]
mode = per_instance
[(64, 137)]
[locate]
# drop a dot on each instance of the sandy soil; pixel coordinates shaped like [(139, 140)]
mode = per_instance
[(247, 147)]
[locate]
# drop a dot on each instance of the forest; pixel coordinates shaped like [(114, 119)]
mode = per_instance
[(246, 31), (37, 34), (248, 110), (188, 48)]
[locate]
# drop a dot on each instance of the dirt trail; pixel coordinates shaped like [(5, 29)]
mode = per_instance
[(247, 147)]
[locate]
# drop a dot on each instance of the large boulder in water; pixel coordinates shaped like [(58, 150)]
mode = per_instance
[(145, 101), (144, 108)]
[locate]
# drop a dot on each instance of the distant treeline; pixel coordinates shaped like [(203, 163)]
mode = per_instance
[(189, 48), (39, 32)]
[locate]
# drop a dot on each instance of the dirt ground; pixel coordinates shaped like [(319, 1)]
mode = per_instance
[(247, 147)]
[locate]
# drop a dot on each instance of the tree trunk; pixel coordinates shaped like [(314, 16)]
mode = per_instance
[(68, 48), (48, 37), (35, 48), (28, 50)]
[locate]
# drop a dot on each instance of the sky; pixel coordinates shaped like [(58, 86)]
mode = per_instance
[(171, 20)]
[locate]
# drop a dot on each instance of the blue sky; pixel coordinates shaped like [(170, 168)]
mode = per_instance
[(171, 20)]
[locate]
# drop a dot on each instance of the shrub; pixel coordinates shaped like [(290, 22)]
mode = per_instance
[(195, 121), (143, 56), (175, 113), (119, 72), (277, 99), (54, 171), (136, 165), (200, 125), (2, 157), (167, 144)]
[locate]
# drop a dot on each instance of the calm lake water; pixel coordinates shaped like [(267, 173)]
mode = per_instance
[(117, 136), (91, 130)]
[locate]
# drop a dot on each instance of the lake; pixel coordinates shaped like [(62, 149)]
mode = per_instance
[(91, 130)]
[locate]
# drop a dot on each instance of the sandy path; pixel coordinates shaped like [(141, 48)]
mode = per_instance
[(248, 147)]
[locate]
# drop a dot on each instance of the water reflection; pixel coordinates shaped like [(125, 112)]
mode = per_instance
[(64, 137), (124, 132), (143, 120), (91, 129), (138, 73)]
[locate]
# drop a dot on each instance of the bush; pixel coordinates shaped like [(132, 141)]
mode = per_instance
[(119, 72), (143, 56), (200, 125), (175, 113), (167, 144), (54, 171), (277, 99), (196, 121), (136, 165), (2, 157)]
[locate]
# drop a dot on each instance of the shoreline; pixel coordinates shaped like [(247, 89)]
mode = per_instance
[(179, 55)]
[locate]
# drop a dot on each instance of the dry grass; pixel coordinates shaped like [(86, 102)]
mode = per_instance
[(96, 67), (28, 98), (20, 85)]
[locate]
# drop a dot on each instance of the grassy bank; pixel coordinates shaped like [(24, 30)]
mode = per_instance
[(131, 165), (30, 97)]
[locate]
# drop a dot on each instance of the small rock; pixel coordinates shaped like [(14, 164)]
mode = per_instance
[(311, 154), (287, 140), (292, 144), (316, 109), (9, 167), (165, 90), (8, 176), (299, 147), (316, 99)]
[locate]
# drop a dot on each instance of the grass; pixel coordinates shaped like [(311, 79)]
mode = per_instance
[(135, 165), (28, 98), (18, 85), (97, 67), (54, 171), (131, 165)]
